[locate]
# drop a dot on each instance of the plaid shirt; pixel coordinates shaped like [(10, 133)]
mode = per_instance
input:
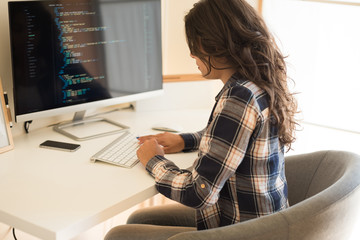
[(239, 173)]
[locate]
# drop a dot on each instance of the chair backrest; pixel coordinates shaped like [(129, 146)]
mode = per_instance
[(309, 174), (325, 203), (324, 196)]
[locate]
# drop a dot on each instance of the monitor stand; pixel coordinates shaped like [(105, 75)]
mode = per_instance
[(81, 128)]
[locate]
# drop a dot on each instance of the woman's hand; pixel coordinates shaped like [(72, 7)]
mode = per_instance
[(171, 142), (149, 149)]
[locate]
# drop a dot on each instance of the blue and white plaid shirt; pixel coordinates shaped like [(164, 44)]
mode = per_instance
[(239, 172)]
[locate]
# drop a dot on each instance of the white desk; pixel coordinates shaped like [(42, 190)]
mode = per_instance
[(57, 195)]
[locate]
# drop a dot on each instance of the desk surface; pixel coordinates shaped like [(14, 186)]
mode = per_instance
[(56, 195)]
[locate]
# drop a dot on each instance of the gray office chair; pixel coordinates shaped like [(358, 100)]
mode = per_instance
[(324, 197)]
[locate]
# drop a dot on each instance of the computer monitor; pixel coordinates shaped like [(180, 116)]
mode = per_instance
[(72, 56)]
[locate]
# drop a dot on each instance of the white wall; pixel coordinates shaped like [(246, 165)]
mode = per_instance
[(322, 42), (175, 52), (176, 58)]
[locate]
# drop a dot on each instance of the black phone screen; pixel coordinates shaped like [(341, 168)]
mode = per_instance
[(60, 145)]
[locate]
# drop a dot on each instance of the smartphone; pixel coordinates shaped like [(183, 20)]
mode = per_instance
[(70, 147)]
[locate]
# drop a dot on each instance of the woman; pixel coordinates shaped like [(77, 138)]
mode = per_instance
[(239, 173)]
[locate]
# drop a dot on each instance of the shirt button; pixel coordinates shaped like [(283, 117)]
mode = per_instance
[(202, 186)]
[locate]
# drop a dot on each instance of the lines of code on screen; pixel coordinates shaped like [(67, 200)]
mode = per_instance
[(67, 52)]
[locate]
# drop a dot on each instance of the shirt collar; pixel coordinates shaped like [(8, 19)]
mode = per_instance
[(234, 79)]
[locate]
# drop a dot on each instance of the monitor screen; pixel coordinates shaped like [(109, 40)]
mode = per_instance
[(76, 55)]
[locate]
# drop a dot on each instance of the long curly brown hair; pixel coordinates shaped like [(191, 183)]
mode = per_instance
[(233, 30)]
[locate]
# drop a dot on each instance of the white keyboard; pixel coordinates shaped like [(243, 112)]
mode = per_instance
[(121, 152)]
